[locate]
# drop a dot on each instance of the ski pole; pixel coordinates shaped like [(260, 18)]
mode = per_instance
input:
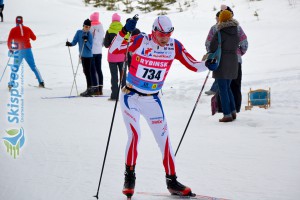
[(6, 66), (72, 68), (77, 68), (114, 113), (193, 111)]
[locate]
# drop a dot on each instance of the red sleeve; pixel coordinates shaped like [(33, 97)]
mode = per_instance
[(10, 36), (184, 57), (119, 45), (32, 35)]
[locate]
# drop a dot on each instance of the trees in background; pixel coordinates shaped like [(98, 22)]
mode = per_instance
[(145, 6)]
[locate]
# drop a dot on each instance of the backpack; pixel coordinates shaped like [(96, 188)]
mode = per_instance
[(213, 59)]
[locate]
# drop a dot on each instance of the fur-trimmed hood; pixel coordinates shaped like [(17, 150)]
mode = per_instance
[(229, 23)]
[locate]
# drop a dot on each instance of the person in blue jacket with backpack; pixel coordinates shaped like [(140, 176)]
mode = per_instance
[(84, 39)]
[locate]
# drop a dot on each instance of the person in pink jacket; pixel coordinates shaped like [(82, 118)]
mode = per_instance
[(115, 60)]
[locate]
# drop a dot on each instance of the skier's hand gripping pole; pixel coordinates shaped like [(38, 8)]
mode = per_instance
[(131, 24)]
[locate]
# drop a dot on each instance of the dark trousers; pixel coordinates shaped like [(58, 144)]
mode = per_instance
[(236, 86), (1, 10), (115, 71), (97, 68), (87, 70)]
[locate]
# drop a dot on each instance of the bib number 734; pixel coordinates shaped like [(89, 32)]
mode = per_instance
[(151, 74)]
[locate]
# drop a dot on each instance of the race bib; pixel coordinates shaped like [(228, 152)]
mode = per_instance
[(150, 74)]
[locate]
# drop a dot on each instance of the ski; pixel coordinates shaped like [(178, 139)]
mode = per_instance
[(70, 97), (194, 196), (47, 88)]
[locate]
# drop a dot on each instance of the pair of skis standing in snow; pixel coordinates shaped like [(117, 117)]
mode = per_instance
[(152, 56)]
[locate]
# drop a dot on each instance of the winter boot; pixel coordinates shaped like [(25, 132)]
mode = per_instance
[(176, 188), (233, 115), (129, 182), (95, 91), (87, 93), (42, 85), (100, 90), (226, 119)]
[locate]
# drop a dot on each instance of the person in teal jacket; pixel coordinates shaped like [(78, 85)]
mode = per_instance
[(84, 39)]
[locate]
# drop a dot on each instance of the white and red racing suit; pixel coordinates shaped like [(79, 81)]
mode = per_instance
[(148, 70)]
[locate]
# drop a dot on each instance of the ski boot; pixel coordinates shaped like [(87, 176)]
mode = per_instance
[(176, 188), (129, 182), (41, 85), (9, 87)]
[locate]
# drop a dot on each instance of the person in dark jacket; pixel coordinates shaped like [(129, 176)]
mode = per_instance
[(228, 67), (236, 84), (115, 61), (84, 39)]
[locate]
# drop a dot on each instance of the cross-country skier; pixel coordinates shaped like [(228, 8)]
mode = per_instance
[(152, 56), (18, 42)]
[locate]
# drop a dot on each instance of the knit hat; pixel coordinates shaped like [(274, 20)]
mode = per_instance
[(87, 22), (224, 7), (94, 16), (225, 15), (116, 17), (19, 20)]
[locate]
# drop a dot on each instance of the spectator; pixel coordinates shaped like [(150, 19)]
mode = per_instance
[(235, 83), (98, 37), (228, 67), (84, 39), (212, 31), (115, 61)]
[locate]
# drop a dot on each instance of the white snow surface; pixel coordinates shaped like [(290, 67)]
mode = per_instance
[(256, 157)]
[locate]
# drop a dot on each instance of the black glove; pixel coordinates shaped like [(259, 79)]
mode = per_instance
[(130, 25), (68, 44), (85, 38), (11, 52)]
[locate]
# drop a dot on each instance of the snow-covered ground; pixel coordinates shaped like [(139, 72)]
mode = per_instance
[(256, 157)]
